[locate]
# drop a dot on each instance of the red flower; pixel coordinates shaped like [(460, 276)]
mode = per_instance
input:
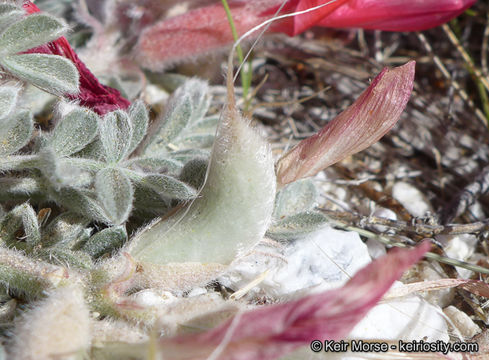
[(395, 15), (205, 29), (92, 94)]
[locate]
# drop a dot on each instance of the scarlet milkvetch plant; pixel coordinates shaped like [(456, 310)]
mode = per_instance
[(85, 167), (205, 29)]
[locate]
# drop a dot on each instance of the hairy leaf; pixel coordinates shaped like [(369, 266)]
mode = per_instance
[(64, 229), (82, 202), (74, 131), (30, 32), (297, 225), (187, 106), (193, 173), (155, 165), (296, 197), (65, 257), (115, 192), (139, 119), (169, 187), (51, 73), (32, 231), (18, 135), (105, 241), (25, 216), (116, 132), (8, 100)]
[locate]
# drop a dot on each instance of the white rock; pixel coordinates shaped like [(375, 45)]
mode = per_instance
[(197, 292), (411, 198), (383, 213), (460, 247), (462, 322), (149, 297), (325, 258), (407, 318), (375, 248)]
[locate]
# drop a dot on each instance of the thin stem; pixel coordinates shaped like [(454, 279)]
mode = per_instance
[(245, 75), (429, 255)]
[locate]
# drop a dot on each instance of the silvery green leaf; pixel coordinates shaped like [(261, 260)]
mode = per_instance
[(31, 31), (51, 73), (21, 215), (94, 150), (186, 106), (199, 92), (82, 202), (49, 166), (105, 241), (8, 100), (20, 188), (207, 125), (299, 196), (67, 258), (189, 154), (115, 134), (193, 173), (196, 141), (61, 171), (139, 118), (176, 117), (155, 165), (65, 229), (115, 193), (148, 203), (18, 135), (297, 225), (31, 226), (6, 8), (169, 187), (74, 131), (56, 7), (9, 226)]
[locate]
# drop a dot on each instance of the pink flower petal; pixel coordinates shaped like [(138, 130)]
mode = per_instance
[(92, 94), (298, 24), (275, 330), (395, 15), (197, 32), (370, 117), (203, 30)]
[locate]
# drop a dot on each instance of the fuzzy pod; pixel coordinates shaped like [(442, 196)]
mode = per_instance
[(231, 213)]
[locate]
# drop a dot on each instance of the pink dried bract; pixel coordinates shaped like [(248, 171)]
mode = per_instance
[(369, 118), (100, 98), (275, 330)]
